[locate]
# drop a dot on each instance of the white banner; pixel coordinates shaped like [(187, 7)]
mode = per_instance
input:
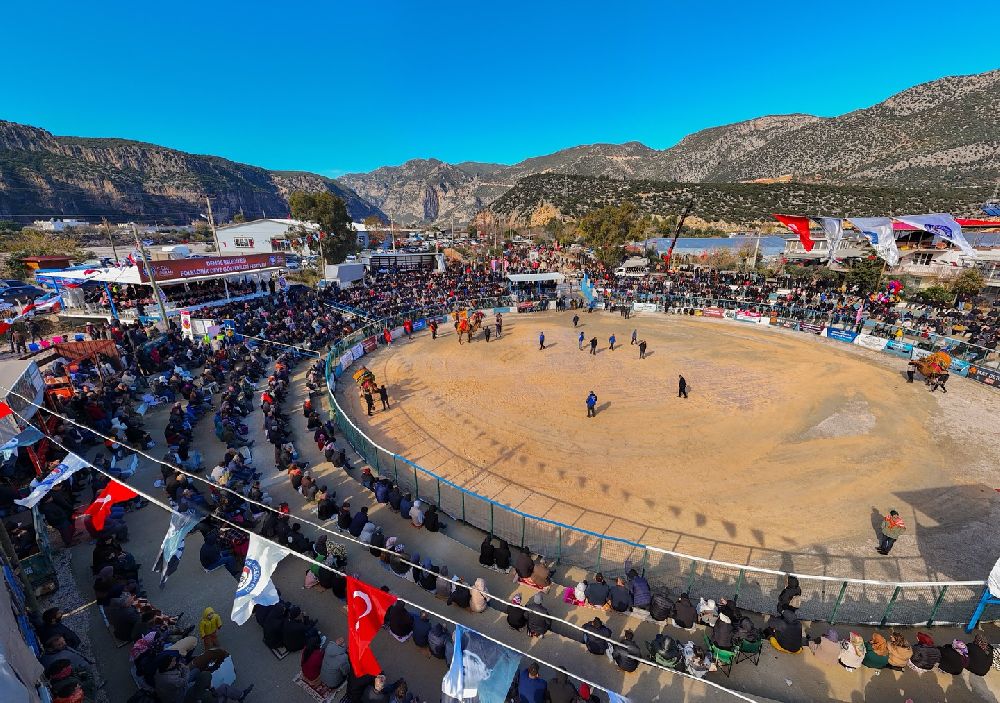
[(358, 351), (186, 330), (644, 307), (255, 584), (944, 226), (994, 581), (833, 228), (346, 359), (878, 231), (66, 468), (870, 341)]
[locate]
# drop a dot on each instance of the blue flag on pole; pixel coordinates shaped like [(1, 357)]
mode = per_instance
[(481, 670)]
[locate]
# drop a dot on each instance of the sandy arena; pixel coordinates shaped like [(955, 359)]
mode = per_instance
[(784, 455)]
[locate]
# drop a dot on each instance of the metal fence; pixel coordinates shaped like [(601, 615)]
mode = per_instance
[(825, 598)]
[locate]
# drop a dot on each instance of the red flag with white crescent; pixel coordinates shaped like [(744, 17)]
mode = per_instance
[(113, 493), (366, 607), (798, 225)]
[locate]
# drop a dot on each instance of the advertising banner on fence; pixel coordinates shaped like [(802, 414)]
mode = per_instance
[(210, 266), (810, 327), (747, 316), (526, 306), (785, 322), (644, 307), (370, 344), (900, 349), (870, 341), (358, 351), (919, 353), (959, 366), (841, 335), (347, 359), (991, 377), (420, 324), (397, 333)]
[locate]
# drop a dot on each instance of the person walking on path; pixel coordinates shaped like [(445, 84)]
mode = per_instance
[(642, 349), (611, 341), (592, 404), (499, 324), (383, 395), (486, 333), (576, 320), (682, 386), (434, 329), (580, 339), (541, 341), (635, 336), (593, 346), (893, 528)]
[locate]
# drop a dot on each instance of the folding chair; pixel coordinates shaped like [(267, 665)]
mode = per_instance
[(749, 651), (724, 658)]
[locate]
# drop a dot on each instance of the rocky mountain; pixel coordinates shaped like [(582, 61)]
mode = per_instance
[(945, 133), (721, 206), (44, 175)]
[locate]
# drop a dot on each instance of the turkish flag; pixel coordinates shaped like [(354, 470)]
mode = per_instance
[(798, 225), (113, 493), (366, 606)]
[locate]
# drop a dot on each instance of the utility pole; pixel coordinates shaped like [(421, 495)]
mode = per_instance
[(111, 239), (215, 236), (152, 275)]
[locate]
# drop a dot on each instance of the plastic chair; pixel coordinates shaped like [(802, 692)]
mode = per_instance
[(78, 337), (724, 658), (57, 339), (749, 651), (33, 347)]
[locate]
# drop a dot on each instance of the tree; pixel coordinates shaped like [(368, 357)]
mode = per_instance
[(968, 283), (473, 231), (866, 274), (609, 228), (30, 242), (239, 217), (337, 238), (376, 231), (936, 295)]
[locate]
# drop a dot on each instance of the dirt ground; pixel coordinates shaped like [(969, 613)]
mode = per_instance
[(784, 455)]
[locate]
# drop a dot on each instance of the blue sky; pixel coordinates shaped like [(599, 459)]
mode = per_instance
[(334, 87)]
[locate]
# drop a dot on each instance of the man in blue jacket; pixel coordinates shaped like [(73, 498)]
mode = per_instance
[(592, 404)]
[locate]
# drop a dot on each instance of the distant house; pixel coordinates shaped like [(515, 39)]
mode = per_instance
[(34, 263), (57, 225), (263, 236)]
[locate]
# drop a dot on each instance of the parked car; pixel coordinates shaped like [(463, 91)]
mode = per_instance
[(12, 291)]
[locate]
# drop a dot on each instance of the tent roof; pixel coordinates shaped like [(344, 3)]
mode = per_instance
[(535, 277)]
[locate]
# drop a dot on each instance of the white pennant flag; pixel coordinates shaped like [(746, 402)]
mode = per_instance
[(878, 231), (944, 226), (255, 583), (66, 468), (833, 227)]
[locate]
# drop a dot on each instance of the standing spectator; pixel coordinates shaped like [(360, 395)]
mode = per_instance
[(592, 404), (893, 528), (531, 688), (682, 386)]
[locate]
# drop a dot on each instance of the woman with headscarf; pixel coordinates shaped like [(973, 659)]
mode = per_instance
[(954, 657), (428, 577), (501, 556), (486, 551), (437, 641), (791, 596), (826, 648), (319, 547), (980, 656), (479, 597), (400, 621), (516, 617), (541, 575), (900, 650), (442, 589), (877, 652), (854, 652), (416, 569)]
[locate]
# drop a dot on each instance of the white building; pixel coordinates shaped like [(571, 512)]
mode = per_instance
[(263, 236), (57, 225)]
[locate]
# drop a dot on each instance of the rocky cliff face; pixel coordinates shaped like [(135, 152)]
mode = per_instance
[(45, 175), (941, 134)]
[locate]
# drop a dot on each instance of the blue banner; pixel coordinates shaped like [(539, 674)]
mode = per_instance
[(420, 324), (481, 670), (959, 366), (841, 335), (900, 349)]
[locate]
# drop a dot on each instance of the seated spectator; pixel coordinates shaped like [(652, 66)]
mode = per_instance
[(853, 654), (722, 632), (707, 612), (405, 505), (296, 630), (980, 656), (358, 522), (523, 565), (685, 614), (52, 625), (561, 690), (501, 557), (432, 520), (437, 641), (516, 616), (479, 599), (541, 575), (900, 651), (620, 597), (538, 623), (639, 588), (444, 585), (421, 629), (213, 556), (311, 662), (791, 595), (531, 688), (400, 621), (486, 551), (954, 657), (626, 653), (460, 594), (877, 652), (594, 634), (417, 513), (786, 632), (333, 670), (598, 592)]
